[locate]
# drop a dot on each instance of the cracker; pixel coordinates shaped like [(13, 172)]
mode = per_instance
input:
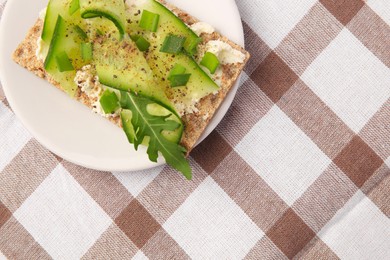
[(195, 123)]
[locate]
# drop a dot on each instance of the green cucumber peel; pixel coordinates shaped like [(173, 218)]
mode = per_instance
[(115, 12), (145, 124), (66, 38), (113, 18), (51, 15), (59, 26)]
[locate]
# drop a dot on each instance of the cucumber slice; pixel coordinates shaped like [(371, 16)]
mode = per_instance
[(200, 84), (113, 10), (65, 39), (122, 66), (55, 8)]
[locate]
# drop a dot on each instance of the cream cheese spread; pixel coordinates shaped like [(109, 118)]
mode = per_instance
[(201, 27), (224, 52), (42, 14), (90, 85), (41, 50), (185, 107)]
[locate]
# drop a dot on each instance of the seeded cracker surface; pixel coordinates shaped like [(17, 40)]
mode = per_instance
[(195, 123)]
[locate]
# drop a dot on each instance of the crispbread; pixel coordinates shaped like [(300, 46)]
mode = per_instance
[(195, 123)]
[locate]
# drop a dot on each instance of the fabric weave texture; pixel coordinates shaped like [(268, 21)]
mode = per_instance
[(298, 168)]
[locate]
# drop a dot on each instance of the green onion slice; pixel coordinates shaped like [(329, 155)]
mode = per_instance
[(173, 44), (63, 62), (134, 37), (177, 69), (177, 76), (149, 21), (179, 80), (109, 101), (210, 61), (141, 42)]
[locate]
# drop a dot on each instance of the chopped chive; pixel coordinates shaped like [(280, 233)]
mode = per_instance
[(86, 51), (109, 101), (149, 21), (63, 62), (134, 37), (74, 6), (141, 42), (177, 69), (179, 80), (210, 61), (173, 44), (177, 76)]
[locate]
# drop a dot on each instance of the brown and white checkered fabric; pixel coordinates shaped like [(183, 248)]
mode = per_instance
[(298, 168)]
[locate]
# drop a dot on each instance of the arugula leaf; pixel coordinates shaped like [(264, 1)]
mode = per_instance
[(145, 124)]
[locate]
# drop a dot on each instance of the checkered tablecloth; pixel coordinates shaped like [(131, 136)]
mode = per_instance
[(299, 167)]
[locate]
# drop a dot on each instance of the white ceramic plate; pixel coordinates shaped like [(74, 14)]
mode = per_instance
[(68, 128)]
